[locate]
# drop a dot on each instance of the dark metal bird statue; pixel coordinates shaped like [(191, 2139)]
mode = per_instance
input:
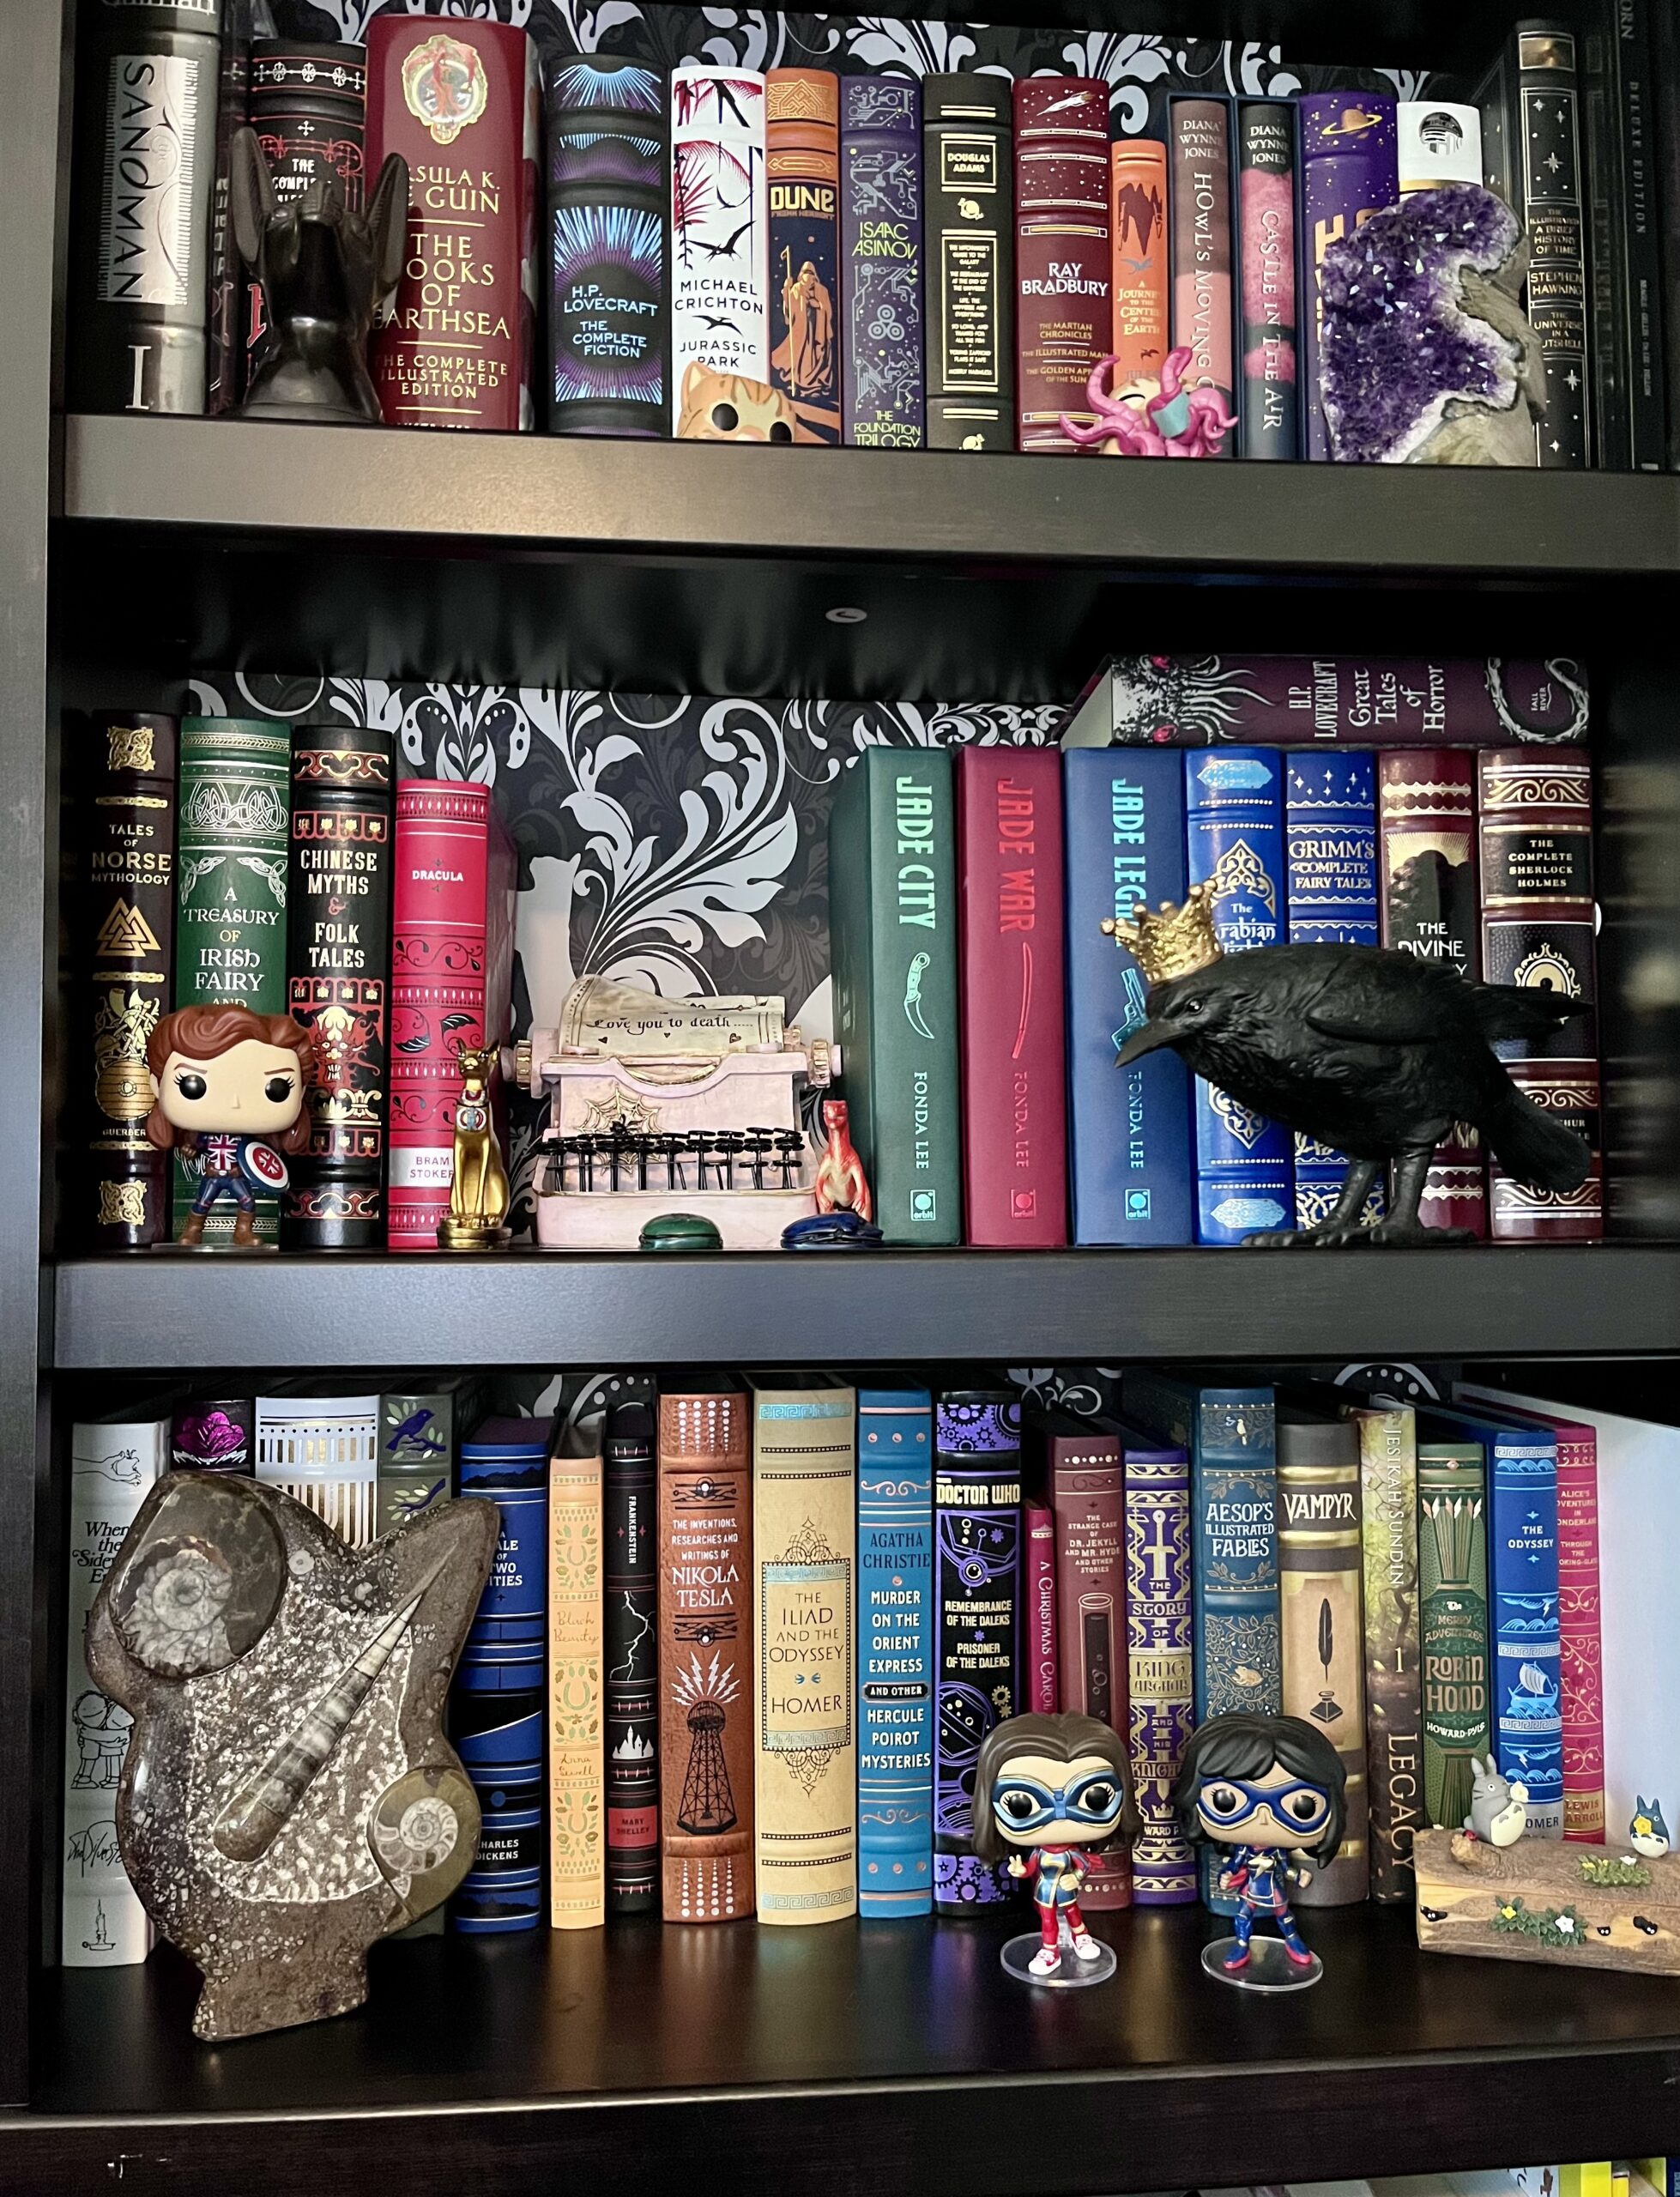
[(1368, 1050)]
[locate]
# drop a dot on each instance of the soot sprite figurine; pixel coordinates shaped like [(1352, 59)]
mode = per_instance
[(1270, 1790), (1049, 1792)]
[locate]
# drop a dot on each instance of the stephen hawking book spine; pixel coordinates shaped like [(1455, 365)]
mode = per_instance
[(1087, 1493), (1350, 169), (1270, 413), (894, 1651), (1234, 820), (1202, 320), (1128, 1129), (1387, 1436), (1330, 840), (630, 1544), (1038, 1604), (1142, 279), (121, 781), (1549, 157), (609, 307), (1014, 1073), (881, 380), (1064, 314), (1538, 918), (720, 225), (969, 182), (977, 1621), (1453, 1612), (1161, 1636), (803, 139)]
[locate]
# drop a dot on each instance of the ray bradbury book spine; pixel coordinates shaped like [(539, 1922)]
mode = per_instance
[(803, 137), (1063, 263), (881, 368), (969, 174)]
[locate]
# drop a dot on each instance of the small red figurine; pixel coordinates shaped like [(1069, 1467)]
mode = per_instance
[(840, 1181), (224, 1081)]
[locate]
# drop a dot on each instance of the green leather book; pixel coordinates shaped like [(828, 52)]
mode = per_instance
[(893, 919), (1452, 1580)]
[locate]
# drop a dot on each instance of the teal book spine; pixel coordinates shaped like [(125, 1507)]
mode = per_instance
[(895, 1650), (892, 916)]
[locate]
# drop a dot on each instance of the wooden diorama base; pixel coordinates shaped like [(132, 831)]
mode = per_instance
[(1534, 1901)]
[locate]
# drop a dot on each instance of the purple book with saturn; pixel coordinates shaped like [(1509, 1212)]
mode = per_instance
[(883, 403), (1350, 169)]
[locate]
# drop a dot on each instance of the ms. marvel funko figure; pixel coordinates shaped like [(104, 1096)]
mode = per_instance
[(1050, 1791), (226, 1081), (1269, 1789)]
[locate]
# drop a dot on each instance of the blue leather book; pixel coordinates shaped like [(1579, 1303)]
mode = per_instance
[(1233, 829), (1230, 1435), (894, 1649), (1522, 1599), (1128, 1129), (1329, 845)]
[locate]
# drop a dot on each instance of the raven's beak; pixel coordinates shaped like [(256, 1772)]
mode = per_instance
[(1144, 1039)]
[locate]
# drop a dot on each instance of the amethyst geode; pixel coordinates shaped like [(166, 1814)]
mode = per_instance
[(1427, 358)]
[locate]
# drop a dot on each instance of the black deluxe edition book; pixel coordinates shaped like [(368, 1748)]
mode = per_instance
[(968, 133)]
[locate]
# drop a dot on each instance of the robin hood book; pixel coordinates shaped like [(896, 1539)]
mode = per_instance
[(1142, 280), (1160, 1624), (576, 1751), (705, 1651), (120, 798), (720, 225), (1200, 140), (1041, 1668), (1064, 312), (630, 1577), (1454, 1642), (1014, 1078), (894, 1649), (968, 132), (460, 99), (803, 1700), (1270, 407), (1350, 170), (1387, 1436), (803, 137), (882, 376)]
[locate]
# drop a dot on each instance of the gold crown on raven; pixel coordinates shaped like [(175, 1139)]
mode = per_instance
[(1174, 943)]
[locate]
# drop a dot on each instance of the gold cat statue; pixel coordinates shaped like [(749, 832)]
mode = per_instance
[(478, 1200), (729, 408)]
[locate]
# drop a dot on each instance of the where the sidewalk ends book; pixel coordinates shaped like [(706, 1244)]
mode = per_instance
[(802, 136), (576, 1752), (881, 375), (1350, 170), (1014, 1081), (1455, 1644), (978, 1607), (805, 1581), (1291, 701), (893, 922), (720, 225), (896, 1668), (1081, 1475), (1387, 1434), (1160, 1620), (1128, 1129), (968, 256), (705, 1650), (629, 1582), (113, 1463)]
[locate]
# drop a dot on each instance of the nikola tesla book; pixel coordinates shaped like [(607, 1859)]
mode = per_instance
[(705, 1651), (1128, 1129), (893, 921), (969, 182), (802, 136), (1201, 144), (977, 1620), (1452, 1622), (461, 102), (1040, 1665), (576, 1751), (1160, 1624), (804, 1695), (1388, 1435), (1270, 409), (881, 376), (1014, 1076), (119, 791), (609, 304), (894, 1649), (720, 224), (1142, 285), (451, 973), (1063, 263), (631, 1576), (1350, 170)]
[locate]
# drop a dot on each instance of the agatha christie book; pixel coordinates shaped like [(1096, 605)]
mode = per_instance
[(1270, 410), (802, 137), (968, 177), (894, 1649), (630, 1542), (720, 224), (576, 1718), (1200, 143), (1160, 1621), (880, 262), (1350, 170), (1064, 314)]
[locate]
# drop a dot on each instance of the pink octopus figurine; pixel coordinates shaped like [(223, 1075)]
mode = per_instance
[(1172, 422)]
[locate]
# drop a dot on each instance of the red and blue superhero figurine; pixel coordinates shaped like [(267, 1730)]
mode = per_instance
[(226, 1081)]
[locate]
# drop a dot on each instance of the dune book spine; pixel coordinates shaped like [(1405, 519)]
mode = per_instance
[(1087, 1495), (802, 140), (1141, 303), (1547, 170), (1160, 1622), (1269, 422), (882, 380), (1452, 1619), (1203, 290), (1387, 1434), (968, 134), (631, 1560), (720, 225), (1349, 154), (895, 1650), (1064, 311)]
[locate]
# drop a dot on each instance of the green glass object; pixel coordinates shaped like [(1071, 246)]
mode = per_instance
[(680, 1231)]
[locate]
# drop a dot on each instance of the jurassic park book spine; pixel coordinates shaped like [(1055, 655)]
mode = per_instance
[(609, 305), (1128, 1129), (1550, 167), (1538, 919), (805, 1698), (1014, 1072), (1388, 1438), (802, 137), (451, 969), (968, 133), (577, 1722), (705, 1655), (214, 1434), (631, 1575), (1452, 1618), (1064, 311), (460, 99), (338, 899), (120, 791), (1041, 1676), (720, 225), (1141, 279), (1430, 908), (1087, 1494), (1349, 153), (893, 918), (1269, 413), (1322, 1631), (1203, 292), (977, 1621), (895, 1650), (882, 378), (1160, 1624)]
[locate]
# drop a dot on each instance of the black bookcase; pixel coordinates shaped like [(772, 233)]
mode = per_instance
[(868, 2057)]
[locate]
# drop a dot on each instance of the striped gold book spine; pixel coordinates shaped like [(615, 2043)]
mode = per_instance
[(1324, 1660), (1393, 1699), (577, 1758)]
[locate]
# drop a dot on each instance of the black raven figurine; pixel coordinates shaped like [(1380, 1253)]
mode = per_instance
[(1368, 1050)]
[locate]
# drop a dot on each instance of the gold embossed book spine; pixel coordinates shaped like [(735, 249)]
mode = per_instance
[(576, 1754)]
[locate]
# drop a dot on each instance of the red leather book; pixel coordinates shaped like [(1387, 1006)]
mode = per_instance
[(1536, 824), (1429, 906), (1014, 1066), (1042, 1686), (1064, 319), (452, 984), (1084, 1476), (460, 101)]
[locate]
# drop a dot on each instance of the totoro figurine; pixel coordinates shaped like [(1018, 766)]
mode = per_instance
[(1646, 1831), (1498, 1809)]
